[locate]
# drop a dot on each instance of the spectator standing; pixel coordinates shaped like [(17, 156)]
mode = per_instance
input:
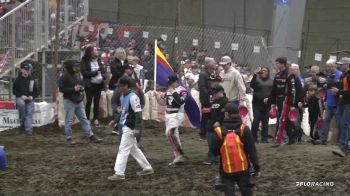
[(116, 67), (343, 93), (333, 77), (277, 95), (204, 96), (262, 86), (25, 89), (71, 84), (232, 82), (94, 74)]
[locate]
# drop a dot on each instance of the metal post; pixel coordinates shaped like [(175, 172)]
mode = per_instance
[(43, 78), (56, 48), (66, 18), (13, 52)]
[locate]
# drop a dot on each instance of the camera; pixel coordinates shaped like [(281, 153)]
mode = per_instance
[(82, 88)]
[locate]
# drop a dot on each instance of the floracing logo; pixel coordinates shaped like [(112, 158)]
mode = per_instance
[(315, 184)]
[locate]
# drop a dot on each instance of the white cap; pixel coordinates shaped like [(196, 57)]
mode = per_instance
[(330, 62), (295, 66)]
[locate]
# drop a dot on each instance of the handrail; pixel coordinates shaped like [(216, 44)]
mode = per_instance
[(15, 9)]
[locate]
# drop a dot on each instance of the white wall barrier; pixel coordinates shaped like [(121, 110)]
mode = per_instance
[(44, 114)]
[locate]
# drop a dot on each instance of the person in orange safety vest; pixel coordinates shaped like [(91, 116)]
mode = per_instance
[(234, 143)]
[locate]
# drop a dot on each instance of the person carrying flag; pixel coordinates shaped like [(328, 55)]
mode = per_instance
[(174, 100)]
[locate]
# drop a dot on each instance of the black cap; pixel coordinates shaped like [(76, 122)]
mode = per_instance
[(172, 78), (217, 88), (125, 80), (26, 66), (231, 108)]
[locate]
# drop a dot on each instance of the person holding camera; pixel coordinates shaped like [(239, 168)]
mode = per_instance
[(262, 86), (235, 144), (333, 77), (343, 93), (25, 89), (71, 84)]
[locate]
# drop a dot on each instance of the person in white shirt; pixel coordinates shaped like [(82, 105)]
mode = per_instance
[(232, 82)]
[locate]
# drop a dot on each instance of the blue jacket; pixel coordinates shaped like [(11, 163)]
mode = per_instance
[(331, 100), (3, 160)]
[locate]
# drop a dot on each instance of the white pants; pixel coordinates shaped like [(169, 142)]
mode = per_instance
[(172, 123), (128, 145)]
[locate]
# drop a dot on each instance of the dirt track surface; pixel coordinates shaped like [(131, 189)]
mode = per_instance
[(45, 165)]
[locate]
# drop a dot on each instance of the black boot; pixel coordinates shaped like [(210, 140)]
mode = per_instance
[(95, 139)]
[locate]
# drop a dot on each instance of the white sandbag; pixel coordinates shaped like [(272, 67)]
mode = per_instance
[(153, 106), (60, 109), (305, 122), (109, 95), (103, 111), (146, 114)]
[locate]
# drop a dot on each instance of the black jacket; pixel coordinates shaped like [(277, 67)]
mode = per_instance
[(278, 87), (217, 112), (247, 140), (262, 89), (294, 90), (25, 86), (66, 85), (117, 71), (88, 74), (204, 87)]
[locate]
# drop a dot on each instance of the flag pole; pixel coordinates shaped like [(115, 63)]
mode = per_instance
[(155, 66)]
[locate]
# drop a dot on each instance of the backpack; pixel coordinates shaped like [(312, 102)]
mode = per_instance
[(233, 156)]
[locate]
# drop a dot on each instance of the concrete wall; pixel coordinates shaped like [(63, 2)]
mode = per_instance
[(326, 28)]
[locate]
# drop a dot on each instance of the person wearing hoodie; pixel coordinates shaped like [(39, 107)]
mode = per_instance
[(235, 144), (71, 84), (25, 89)]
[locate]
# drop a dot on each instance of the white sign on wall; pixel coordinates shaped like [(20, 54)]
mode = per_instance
[(234, 46), (145, 34), (164, 37), (217, 45), (256, 49), (195, 42), (318, 57), (333, 57), (126, 33)]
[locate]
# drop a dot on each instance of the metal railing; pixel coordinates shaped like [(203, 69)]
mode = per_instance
[(30, 28)]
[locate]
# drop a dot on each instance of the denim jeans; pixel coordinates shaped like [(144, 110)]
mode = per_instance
[(261, 114), (75, 109), (25, 110), (338, 117), (345, 127), (330, 113)]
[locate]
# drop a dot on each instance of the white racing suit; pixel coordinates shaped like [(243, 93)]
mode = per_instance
[(174, 101)]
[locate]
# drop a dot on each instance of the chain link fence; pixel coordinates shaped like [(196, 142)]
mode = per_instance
[(181, 43)]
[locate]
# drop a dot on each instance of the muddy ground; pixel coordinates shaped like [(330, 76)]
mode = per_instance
[(44, 165)]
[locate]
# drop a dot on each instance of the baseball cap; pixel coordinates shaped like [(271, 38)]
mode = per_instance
[(231, 108), (217, 88), (225, 60), (125, 80), (26, 66), (172, 78), (344, 60)]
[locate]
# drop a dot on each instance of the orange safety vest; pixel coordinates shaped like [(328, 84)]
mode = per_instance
[(233, 157)]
